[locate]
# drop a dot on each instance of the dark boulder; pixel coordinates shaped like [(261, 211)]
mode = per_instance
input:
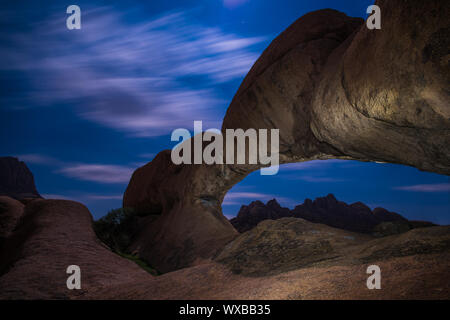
[(249, 216), (16, 180)]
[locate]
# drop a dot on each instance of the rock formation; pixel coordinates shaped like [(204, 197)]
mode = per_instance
[(189, 226), (249, 216), (356, 217), (16, 180), (285, 244), (288, 243), (42, 239), (11, 211), (335, 89)]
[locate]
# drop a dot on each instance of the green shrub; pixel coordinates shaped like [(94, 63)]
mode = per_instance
[(117, 228)]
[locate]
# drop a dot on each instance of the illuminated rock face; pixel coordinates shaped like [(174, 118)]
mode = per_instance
[(385, 95), (335, 89)]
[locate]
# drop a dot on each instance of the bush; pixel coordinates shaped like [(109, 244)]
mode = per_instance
[(116, 229)]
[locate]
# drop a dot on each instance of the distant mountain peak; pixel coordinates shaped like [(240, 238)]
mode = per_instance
[(357, 217), (273, 203), (331, 196), (16, 180)]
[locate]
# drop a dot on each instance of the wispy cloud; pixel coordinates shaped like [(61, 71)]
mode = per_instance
[(437, 187), (129, 74), (239, 198), (36, 158), (105, 197), (315, 179), (147, 155), (59, 196), (82, 196), (233, 3), (102, 173), (96, 172), (309, 165), (319, 171), (232, 197)]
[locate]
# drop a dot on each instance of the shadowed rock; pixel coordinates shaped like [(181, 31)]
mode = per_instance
[(51, 235), (356, 217), (335, 89), (249, 216), (11, 212), (16, 180)]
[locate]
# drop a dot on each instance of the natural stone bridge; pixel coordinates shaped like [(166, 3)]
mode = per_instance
[(335, 89)]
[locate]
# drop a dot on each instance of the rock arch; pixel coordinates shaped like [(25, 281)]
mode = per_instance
[(335, 89)]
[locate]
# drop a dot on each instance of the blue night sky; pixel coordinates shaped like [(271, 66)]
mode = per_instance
[(84, 108)]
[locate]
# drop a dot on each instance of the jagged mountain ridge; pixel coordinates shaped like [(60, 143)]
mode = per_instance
[(356, 217)]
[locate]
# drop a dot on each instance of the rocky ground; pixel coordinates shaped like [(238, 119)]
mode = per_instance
[(412, 277), (295, 259), (288, 258)]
